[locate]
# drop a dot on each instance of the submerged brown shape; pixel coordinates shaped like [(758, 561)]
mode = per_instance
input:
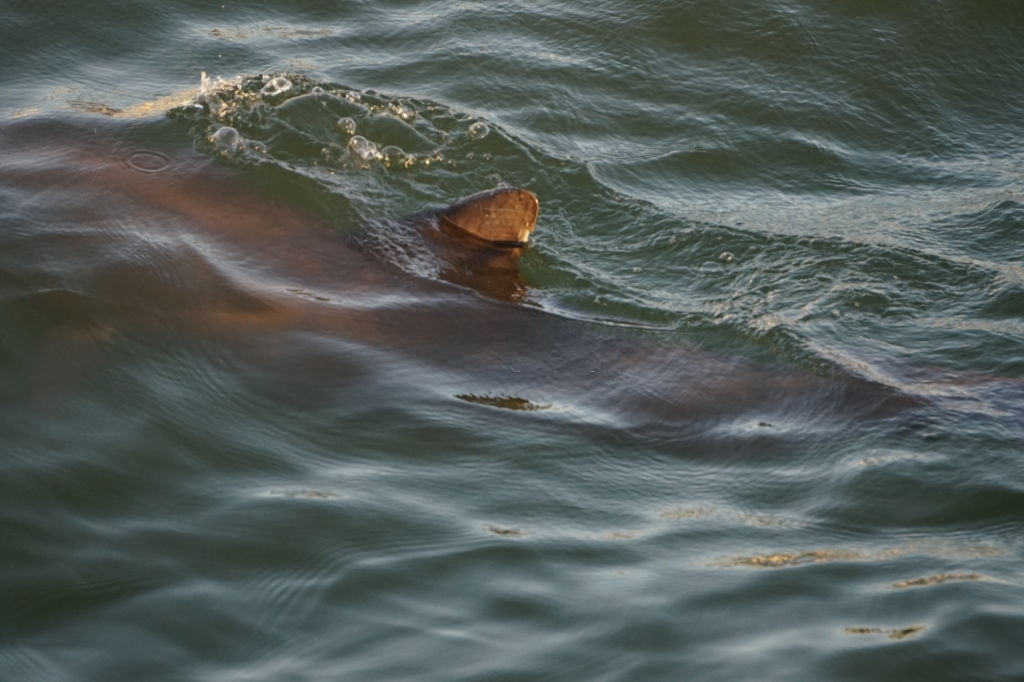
[(127, 233), (503, 216)]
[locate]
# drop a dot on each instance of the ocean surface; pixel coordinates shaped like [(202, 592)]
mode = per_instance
[(754, 409)]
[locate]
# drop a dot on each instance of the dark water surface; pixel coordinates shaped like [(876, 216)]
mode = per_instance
[(758, 413)]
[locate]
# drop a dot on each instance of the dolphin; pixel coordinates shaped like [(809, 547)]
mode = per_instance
[(112, 236)]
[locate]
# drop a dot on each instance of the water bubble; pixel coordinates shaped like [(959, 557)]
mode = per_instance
[(227, 141), (394, 155), (276, 86), (403, 111), (353, 96), (257, 147), (318, 92), (478, 130), (363, 148), (346, 124), (726, 257)]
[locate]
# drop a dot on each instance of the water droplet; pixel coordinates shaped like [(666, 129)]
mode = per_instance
[(276, 86), (478, 130), (346, 125), (206, 84), (726, 257)]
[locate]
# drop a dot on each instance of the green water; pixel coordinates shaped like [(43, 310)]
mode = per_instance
[(757, 416)]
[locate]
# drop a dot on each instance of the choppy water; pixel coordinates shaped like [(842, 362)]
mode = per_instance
[(758, 414)]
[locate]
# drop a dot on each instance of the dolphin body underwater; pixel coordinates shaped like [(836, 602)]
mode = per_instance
[(163, 241)]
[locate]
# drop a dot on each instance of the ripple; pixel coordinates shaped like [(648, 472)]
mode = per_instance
[(145, 161), (397, 531)]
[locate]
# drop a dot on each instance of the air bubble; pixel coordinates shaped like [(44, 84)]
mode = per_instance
[(402, 111), (346, 125), (478, 130), (353, 96), (726, 257), (394, 155), (276, 87), (227, 141), (363, 148)]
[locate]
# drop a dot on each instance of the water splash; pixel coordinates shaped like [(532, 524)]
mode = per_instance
[(277, 87), (306, 125)]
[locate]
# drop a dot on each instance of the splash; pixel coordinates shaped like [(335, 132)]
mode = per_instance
[(276, 88), (291, 119)]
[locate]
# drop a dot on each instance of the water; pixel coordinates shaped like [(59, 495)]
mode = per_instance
[(757, 413)]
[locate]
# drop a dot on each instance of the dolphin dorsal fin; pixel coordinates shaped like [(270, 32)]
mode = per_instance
[(503, 216)]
